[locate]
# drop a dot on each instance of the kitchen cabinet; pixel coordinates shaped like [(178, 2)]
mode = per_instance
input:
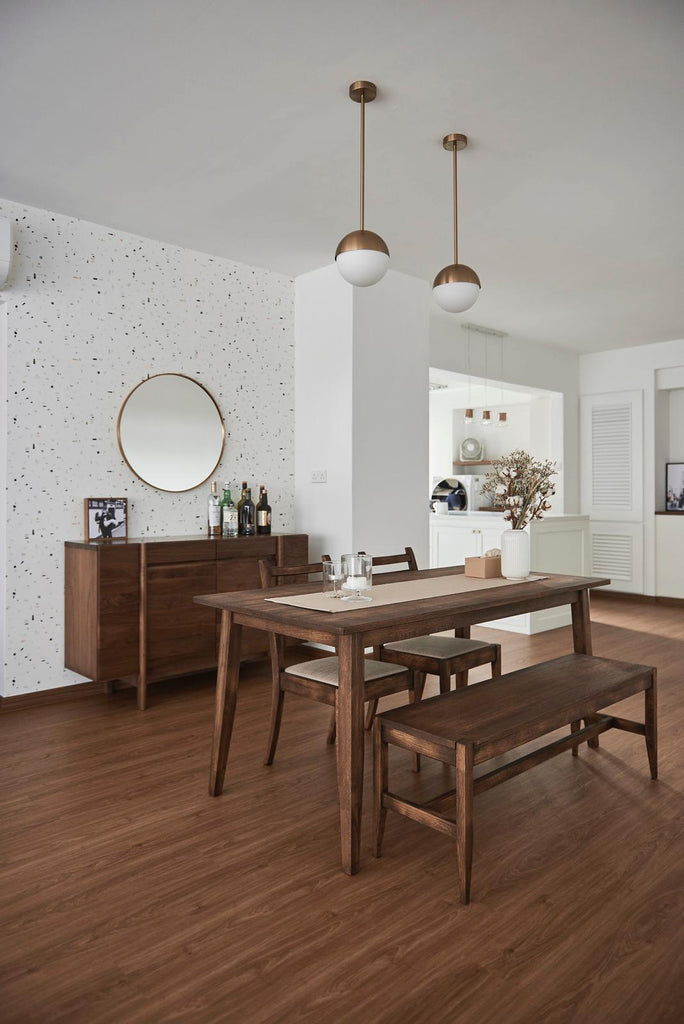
[(557, 544)]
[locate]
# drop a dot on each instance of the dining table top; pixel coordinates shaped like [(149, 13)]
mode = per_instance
[(252, 607)]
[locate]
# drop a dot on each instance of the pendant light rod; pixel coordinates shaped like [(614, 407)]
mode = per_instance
[(455, 151), (363, 93), (455, 141), (363, 161)]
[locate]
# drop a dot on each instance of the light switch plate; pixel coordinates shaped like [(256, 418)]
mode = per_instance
[(319, 476)]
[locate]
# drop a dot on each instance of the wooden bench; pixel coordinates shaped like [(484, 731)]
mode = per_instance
[(467, 727)]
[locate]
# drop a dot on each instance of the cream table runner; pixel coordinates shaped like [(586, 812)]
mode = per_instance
[(396, 593)]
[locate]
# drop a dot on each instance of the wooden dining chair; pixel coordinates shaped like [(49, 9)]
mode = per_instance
[(442, 656), (318, 679)]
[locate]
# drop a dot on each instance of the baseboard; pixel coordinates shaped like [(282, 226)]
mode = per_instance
[(56, 695)]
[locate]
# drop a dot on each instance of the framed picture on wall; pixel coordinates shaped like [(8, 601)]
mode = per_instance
[(106, 518), (674, 486)]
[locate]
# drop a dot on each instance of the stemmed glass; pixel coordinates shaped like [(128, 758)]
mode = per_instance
[(357, 573), (332, 577)]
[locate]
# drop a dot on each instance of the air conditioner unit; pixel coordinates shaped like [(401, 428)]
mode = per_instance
[(6, 249)]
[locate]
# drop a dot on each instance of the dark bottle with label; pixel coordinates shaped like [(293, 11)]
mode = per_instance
[(263, 513), (239, 506), (248, 515)]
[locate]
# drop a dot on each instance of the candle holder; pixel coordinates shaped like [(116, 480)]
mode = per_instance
[(332, 577), (357, 576)]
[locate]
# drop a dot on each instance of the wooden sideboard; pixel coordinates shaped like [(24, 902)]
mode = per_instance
[(129, 612)]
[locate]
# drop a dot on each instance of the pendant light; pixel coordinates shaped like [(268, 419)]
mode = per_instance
[(503, 417), (486, 418), (456, 287), (362, 257)]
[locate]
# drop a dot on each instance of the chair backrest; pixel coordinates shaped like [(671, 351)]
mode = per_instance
[(407, 559), (272, 575)]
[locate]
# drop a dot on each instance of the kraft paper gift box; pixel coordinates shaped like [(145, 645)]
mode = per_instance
[(483, 568)]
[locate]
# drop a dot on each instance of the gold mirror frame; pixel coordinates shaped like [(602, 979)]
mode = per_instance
[(153, 376)]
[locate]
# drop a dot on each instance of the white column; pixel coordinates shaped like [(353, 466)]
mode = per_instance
[(361, 413)]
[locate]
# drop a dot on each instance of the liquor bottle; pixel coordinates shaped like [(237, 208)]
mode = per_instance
[(247, 517), (263, 513), (239, 506), (229, 514), (214, 513)]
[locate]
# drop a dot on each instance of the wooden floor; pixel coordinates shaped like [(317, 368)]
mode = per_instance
[(129, 895)]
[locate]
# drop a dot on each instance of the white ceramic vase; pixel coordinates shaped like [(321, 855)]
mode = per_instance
[(515, 554)]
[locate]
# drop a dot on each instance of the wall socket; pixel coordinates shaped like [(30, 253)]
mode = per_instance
[(319, 476)]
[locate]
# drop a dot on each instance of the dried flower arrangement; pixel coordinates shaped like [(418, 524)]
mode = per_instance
[(522, 486)]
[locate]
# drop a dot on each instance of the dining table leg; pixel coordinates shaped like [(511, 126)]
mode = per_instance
[(227, 678), (581, 639), (350, 743)]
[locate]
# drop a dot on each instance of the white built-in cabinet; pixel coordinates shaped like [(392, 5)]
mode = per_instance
[(557, 544), (670, 556), (612, 480)]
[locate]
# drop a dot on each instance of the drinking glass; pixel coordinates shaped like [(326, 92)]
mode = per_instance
[(357, 574), (332, 578)]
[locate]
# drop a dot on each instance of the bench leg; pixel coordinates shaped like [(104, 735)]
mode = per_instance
[(445, 678), (464, 817), (496, 664), (575, 727), (380, 786), (651, 722)]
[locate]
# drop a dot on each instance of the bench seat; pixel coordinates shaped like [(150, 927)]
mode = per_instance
[(467, 727)]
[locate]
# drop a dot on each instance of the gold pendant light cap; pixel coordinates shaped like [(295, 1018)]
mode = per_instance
[(362, 239), (366, 91), (455, 141), (456, 273)]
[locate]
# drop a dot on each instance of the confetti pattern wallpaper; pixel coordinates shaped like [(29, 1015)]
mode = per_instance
[(90, 313)]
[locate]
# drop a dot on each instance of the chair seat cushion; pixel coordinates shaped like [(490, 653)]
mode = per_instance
[(440, 647), (327, 670)]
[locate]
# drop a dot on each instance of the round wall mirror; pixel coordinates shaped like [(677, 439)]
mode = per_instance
[(170, 432)]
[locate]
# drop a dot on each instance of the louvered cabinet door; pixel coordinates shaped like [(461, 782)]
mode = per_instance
[(611, 452), (617, 551), (612, 456)]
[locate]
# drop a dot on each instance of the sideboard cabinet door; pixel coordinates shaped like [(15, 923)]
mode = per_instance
[(181, 635)]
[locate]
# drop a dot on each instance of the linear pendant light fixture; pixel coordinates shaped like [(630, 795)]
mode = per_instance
[(456, 287), (362, 257)]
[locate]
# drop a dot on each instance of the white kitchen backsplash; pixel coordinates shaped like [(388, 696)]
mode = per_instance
[(90, 313)]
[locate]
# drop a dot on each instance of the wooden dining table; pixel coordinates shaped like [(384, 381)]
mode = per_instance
[(350, 633)]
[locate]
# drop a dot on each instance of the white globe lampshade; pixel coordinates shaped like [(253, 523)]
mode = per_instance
[(456, 288), (362, 258)]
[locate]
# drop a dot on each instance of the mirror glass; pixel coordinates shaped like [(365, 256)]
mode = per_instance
[(170, 432)]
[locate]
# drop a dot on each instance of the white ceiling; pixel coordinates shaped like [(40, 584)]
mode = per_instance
[(226, 127)]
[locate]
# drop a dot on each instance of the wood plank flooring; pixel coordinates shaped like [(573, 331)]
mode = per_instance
[(129, 895)]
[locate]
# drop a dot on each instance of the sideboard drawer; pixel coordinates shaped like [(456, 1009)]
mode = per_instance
[(168, 552)]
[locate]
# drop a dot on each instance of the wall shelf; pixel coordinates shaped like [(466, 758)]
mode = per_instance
[(482, 462)]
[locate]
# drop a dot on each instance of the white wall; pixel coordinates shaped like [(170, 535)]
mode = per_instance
[(530, 365), (362, 413), (91, 312), (636, 369)]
